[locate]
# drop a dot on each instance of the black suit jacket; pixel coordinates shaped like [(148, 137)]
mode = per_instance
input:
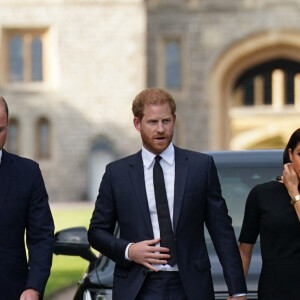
[(23, 206), (197, 201)]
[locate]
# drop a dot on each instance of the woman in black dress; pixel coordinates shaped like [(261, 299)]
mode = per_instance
[(273, 212)]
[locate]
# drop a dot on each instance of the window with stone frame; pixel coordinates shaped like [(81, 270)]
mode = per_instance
[(24, 55), (172, 64), (275, 83), (13, 136), (43, 138)]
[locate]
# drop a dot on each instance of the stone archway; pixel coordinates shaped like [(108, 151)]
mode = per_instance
[(232, 63)]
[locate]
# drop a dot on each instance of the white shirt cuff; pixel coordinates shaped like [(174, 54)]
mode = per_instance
[(127, 250), (239, 295)]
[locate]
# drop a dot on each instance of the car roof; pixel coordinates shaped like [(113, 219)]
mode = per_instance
[(245, 158)]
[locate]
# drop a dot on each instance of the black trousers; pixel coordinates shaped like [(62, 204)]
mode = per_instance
[(162, 285)]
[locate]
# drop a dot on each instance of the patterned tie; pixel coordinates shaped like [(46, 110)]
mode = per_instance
[(164, 220)]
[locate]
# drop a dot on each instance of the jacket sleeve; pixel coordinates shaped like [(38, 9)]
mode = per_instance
[(219, 225), (101, 230), (39, 234)]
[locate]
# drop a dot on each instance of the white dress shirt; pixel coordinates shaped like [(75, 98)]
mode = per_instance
[(168, 165), (0, 155)]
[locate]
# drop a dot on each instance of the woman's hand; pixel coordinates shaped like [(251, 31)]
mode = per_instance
[(290, 180)]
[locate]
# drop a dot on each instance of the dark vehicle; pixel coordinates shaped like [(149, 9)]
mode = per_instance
[(238, 171)]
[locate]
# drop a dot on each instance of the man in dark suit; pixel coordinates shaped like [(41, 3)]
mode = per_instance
[(23, 208), (161, 198)]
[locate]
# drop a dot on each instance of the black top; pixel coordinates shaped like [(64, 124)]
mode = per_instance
[(269, 213)]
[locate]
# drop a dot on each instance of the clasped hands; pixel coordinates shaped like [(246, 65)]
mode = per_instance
[(146, 253)]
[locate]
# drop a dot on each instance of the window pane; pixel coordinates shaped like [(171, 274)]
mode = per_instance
[(36, 59), (16, 59), (276, 84), (268, 88), (290, 92), (249, 91), (173, 67)]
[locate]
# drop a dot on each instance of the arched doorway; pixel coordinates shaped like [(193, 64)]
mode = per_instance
[(101, 154), (239, 127)]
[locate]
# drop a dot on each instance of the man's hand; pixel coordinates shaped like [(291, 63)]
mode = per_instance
[(237, 298), (146, 254), (29, 294)]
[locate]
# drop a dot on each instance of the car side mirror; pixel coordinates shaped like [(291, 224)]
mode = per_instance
[(74, 242)]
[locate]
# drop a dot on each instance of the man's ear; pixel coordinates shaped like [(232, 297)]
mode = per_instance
[(137, 123)]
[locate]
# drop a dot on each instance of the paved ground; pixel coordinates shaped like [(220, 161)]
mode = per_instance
[(72, 205), (66, 294)]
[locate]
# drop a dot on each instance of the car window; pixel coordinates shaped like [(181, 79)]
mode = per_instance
[(236, 184)]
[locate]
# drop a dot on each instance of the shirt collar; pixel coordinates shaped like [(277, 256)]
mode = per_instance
[(0, 155), (168, 155)]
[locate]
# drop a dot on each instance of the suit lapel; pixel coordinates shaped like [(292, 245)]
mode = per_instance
[(5, 176), (181, 172), (138, 182)]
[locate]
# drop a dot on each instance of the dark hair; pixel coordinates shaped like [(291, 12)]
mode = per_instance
[(292, 144), (151, 96), (5, 105)]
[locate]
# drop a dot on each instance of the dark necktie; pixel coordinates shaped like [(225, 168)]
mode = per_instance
[(164, 220)]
